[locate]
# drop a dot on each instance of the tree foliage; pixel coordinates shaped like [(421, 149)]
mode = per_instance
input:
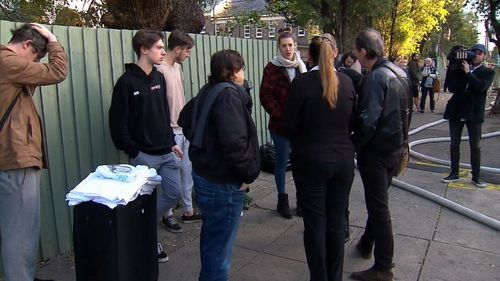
[(9, 10), (459, 28), (403, 23)]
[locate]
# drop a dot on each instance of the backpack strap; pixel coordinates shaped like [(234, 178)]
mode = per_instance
[(202, 109), (10, 108), (405, 112)]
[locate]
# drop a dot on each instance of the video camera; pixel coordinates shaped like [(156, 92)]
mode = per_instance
[(459, 54), (455, 77)]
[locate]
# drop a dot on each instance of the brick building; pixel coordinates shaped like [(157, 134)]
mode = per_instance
[(220, 21)]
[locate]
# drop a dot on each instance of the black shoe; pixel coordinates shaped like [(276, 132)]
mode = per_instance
[(373, 274), (450, 178), (38, 279), (478, 182), (283, 208), (192, 218), (162, 256), (366, 253), (421, 111), (171, 224)]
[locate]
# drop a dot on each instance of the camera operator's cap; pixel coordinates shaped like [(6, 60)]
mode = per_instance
[(479, 47)]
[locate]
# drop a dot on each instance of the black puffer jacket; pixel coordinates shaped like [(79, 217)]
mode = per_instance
[(229, 153), (378, 125)]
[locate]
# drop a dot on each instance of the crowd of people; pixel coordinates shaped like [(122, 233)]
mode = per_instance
[(321, 116)]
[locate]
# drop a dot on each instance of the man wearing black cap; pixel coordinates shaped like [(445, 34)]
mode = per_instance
[(466, 107)]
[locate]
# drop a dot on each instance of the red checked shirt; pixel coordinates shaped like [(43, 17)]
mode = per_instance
[(274, 95)]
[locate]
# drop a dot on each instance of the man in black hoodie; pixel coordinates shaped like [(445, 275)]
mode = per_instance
[(139, 119)]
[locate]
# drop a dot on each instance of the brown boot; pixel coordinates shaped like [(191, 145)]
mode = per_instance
[(283, 207), (373, 274)]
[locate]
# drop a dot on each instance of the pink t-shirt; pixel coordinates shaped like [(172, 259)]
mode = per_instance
[(175, 91)]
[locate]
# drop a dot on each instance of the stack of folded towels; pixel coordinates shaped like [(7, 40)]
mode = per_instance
[(114, 185)]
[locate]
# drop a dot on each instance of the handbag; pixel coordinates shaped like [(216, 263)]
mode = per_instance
[(268, 158), (436, 86)]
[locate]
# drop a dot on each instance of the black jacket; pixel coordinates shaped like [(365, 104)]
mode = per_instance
[(318, 133), (469, 95), (381, 95), (353, 74), (139, 118), (230, 148)]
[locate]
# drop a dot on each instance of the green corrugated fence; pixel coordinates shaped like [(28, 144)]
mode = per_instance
[(75, 112)]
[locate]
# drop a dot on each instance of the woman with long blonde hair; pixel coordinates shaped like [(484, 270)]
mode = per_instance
[(317, 121)]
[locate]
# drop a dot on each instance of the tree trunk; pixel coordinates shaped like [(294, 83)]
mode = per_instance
[(495, 109), (343, 25), (156, 14), (492, 22), (328, 14), (394, 15), (185, 15)]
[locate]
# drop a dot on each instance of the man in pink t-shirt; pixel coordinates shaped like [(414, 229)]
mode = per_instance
[(178, 50)]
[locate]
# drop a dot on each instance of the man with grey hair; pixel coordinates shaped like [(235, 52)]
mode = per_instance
[(379, 136), (22, 154)]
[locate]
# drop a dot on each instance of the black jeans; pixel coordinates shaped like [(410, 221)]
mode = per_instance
[(323, 192), (425, 91), (474, 131), (376, 171)]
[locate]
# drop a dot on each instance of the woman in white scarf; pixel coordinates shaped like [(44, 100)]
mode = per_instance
[(278, 76)]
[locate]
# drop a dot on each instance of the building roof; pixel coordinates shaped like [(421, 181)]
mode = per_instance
[(228, 8)]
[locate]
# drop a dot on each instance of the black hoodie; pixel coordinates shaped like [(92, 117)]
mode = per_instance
[(230, 149), (139, 118)]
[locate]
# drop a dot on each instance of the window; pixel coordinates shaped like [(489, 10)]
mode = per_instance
[(217, 29), (246, 31), (272, 29), (300, 31), (258, 32)]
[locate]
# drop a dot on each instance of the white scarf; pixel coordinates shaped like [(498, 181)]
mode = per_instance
[(281, 61)]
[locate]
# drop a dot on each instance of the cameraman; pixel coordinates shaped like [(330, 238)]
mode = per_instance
[(466, 107)]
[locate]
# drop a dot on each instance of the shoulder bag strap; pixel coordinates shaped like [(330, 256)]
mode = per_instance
[(202, 110), (405, 112), (10, 108)]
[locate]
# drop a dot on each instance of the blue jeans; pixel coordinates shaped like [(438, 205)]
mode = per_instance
[(220, 206), (282, 149)]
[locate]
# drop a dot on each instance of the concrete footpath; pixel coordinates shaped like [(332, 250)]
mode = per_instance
[(432, 243)]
